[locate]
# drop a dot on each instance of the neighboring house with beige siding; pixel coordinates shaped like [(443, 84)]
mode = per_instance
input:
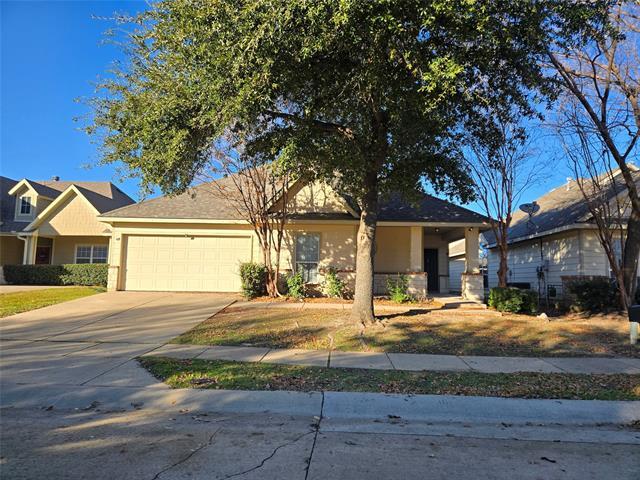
[(196, 241), (558, 243), (55, 222)]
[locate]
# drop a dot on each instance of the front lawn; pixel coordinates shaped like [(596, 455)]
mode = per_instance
[(260, 376), (415, 332), (17, 302)]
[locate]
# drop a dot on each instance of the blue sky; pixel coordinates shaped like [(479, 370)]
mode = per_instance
[(51, 53)]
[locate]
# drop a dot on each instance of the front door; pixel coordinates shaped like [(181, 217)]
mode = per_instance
[(43, 255), (431, 268)]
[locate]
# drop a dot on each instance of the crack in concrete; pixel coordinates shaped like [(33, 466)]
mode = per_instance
[(315, 439), (186, 458), (270, 456)]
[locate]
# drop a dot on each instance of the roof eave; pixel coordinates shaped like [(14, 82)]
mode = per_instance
[(546, 233)]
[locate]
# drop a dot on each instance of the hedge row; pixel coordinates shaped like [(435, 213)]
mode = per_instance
[(92, 274)]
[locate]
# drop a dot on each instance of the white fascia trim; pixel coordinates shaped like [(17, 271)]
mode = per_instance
[(53, 205), (16, 233), (434, 224), (546, 233), (112, 220)]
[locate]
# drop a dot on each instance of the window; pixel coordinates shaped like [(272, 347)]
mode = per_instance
[(91, 254), (25, 205), (307, 256)]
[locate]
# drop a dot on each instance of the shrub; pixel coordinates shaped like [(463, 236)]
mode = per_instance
[(513, 300), (399, 289), (594, 294), (91, 274), (296, 286), (253, 278), (333, 287)]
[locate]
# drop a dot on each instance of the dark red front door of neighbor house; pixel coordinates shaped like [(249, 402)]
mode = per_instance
[(43, 255)]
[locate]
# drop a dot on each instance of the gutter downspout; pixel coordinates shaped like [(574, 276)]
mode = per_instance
[(24, 248)]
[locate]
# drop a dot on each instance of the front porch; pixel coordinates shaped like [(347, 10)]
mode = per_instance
[(65, 249), (421, 254)]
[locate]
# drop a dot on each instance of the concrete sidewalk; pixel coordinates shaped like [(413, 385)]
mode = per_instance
[(402, 361)]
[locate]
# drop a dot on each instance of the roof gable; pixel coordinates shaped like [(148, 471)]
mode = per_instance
[(318, 199), (69, 214)]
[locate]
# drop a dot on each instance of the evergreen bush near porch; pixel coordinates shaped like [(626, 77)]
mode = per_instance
[(399, 289), (513, 300), (253, 278), (333, 286), (296, 286), (89, 274), (592, 295)]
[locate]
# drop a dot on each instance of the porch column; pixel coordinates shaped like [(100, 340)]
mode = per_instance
[(472, 281), (471, 250), (115, 261), (417, 279), (416, 263)]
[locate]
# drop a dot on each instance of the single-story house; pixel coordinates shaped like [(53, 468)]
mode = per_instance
[(56, 222), (557, 244), (195, 241)]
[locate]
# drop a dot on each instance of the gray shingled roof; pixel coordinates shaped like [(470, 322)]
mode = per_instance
[(427, 209), (561, 207), (104, 196), (204, 202), (8, 207)]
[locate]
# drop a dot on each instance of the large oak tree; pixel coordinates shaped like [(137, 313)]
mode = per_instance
[(372, 94)]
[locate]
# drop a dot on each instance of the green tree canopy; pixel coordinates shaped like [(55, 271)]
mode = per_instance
[(372, 93)]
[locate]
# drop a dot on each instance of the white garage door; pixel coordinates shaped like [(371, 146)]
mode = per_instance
[(185, 264)]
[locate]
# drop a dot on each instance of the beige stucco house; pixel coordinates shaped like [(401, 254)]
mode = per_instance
[(195, 241), (56, 222)]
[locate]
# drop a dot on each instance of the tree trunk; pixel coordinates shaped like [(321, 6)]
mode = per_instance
[(503, 268), (362, 310), (272, 290), (630, 260)]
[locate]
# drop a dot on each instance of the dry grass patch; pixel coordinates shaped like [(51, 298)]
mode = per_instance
[(437, 332), (220, 374)]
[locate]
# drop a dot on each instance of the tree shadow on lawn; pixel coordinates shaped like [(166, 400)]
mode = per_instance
[(499, 337)]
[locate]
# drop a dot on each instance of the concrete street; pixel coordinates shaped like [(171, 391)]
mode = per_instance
[(180, 444), (75, 405)]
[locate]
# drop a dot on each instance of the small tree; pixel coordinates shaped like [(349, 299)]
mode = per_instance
[(603, 190), (600, 126), (502, 172), (259, 193)]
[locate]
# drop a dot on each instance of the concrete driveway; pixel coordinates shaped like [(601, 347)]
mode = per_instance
[(92, 340)]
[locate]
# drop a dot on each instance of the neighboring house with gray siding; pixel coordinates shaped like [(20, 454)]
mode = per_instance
[(558, 243)]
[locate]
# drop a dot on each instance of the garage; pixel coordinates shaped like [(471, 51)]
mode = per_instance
[(184, 263)]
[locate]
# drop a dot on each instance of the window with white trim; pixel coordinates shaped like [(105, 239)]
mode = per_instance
[(91, 253), (308, 256), (25, 205)]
